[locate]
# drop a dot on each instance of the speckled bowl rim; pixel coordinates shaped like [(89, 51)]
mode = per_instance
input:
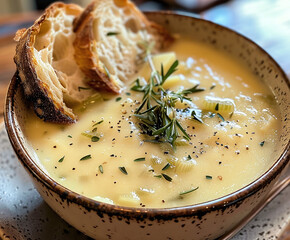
[(140, 213)]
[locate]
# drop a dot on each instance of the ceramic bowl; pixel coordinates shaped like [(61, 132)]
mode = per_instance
[(207, 220)]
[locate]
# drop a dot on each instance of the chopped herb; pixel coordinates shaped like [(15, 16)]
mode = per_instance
[(112, 33), (208, 177), (212, 87), (97, 123), (69, 136), (166, 177), (83, 88), (128, 94), (86, 157), (101, 169), (189, 157), (232, 113), (151, 170), (262, 143), (139, 159), (217, 107), (166, 167), (221, 117), (189, 191), (123, 170), (118, 99), (212, 115), (61, 160), (107, 71), (158, 176), (95, 139), (196, 115)]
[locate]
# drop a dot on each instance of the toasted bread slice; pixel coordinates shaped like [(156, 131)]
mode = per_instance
[(45, 62), (107, 46)]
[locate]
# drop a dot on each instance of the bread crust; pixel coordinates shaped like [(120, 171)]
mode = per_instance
[(84, 44), (36, 90)]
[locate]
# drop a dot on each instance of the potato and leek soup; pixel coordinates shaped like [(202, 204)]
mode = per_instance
[(180, 133)]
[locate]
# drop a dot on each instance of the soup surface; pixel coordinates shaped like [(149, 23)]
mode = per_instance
[(232, 125)]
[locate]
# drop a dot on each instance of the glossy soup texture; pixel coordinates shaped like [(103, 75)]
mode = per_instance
[(227, 151)]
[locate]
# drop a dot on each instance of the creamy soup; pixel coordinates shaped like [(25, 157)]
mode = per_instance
[(231, 128)]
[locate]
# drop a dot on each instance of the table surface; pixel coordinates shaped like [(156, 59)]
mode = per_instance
[(266, 22)]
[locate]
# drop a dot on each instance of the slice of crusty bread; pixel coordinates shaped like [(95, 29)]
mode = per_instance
[(108, 33), (46, 65)]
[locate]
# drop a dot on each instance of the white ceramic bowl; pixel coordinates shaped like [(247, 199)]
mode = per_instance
[(207, 220)]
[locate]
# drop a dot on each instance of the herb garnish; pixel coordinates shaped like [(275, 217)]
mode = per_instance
[(139, 159), (166, 177), (95, 139), (107, 71), (166, 167), (61, 160), (93, 133), (97, 123), (69, 136), (101, 169), (86, 157), (112, 33), (118, 99), (158, 176), (221, 117), (262, 143), (123, 170), (217, 107), (189, 191), (83, 88), (208, 177), (157, 113)]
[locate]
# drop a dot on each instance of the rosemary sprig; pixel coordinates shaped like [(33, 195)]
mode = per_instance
[(157, 113)]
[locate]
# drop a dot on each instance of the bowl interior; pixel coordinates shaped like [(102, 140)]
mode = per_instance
[(243, 49)]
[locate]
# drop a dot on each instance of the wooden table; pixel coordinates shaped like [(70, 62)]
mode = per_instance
[(264, 21)]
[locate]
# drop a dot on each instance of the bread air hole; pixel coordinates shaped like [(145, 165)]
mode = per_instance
[(60, 47), (42, 38), (131, 25)]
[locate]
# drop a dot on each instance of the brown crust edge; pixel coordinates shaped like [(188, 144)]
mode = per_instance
[(84, 40), (35, 90)]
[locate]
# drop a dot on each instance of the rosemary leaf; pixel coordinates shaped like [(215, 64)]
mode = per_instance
[(139, 159), (83, 88), (166, 177), (86, 157), (112, 33), (95, 139), (123, 170), (97, 123), (166, 167), (221, 117), (188, 191), (101, 169), (61, 160)]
